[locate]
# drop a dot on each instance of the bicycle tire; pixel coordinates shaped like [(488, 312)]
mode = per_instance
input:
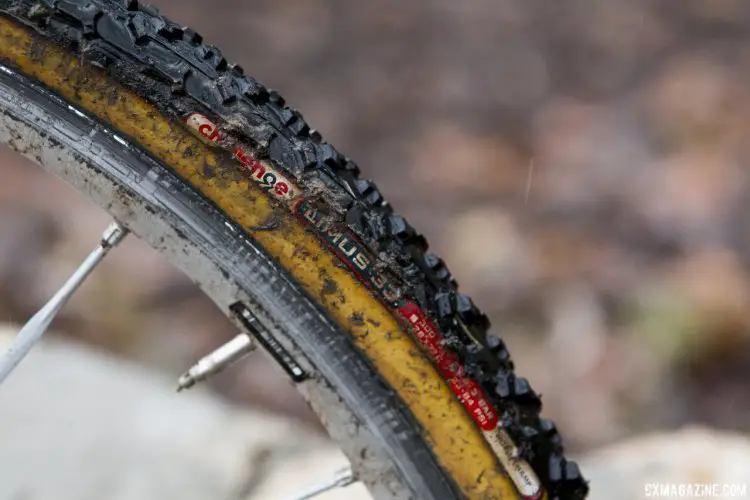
[(156, 84)]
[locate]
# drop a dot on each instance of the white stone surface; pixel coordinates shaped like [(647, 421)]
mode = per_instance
[(76, 424), (690, 456)]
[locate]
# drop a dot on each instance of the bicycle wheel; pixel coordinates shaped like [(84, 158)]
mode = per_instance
[(275, 225)]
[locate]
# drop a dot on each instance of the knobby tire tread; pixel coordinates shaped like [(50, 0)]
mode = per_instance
[(171, 67)]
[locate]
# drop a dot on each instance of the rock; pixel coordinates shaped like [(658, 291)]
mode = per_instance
[(689, 456), (81, 425)]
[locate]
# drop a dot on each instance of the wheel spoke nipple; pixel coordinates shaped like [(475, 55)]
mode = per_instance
[(341, 479), (34, 329)]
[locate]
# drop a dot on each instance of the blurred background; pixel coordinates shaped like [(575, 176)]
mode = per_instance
[(581, 166)]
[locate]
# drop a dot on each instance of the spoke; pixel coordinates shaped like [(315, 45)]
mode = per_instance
[(33, 330), (342, 479), (229, 353)]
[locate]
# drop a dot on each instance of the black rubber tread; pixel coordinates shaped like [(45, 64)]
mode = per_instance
[(169, 65)]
